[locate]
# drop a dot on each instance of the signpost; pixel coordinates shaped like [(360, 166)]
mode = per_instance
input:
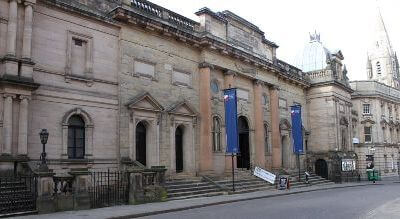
[(231, 126), (297, 133)]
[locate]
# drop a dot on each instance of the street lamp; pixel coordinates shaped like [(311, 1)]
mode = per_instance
[(44, 135)]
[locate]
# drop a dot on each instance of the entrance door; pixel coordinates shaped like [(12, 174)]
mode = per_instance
[(141, 143), (179, 149), (321, 168), (243, 159), (285, 151)]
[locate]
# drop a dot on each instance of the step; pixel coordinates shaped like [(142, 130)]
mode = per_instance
[(209, 186), (192, 192), (186, 185), (196, 196), (20, 213)]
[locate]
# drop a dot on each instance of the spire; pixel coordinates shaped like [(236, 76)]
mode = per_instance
[(382, 36)]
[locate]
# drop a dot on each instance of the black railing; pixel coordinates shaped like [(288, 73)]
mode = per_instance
[(17, 194), (109, 188)]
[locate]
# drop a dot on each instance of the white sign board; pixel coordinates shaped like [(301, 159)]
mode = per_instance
[(265, 175)]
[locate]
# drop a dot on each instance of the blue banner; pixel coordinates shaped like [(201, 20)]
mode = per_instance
[(231, 121), (297, 129)]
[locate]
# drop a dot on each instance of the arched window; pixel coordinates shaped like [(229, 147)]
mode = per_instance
[(378, 68), (266, 145), (216, 133), (76, 137)]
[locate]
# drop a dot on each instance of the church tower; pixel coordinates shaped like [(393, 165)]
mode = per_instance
[(382, 63)]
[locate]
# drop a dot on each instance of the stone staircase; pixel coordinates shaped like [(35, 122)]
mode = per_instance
[(16, 196), (190, 188), (245, 181)]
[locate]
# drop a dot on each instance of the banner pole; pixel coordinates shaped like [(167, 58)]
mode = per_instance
[(298, 164), (233, 174)]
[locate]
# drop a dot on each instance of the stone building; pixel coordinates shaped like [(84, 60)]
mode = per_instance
[(329, 142), (121, 83), (376, 102)]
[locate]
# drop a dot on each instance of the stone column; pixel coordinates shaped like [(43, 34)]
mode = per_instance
[(12, 28), (229, 82), (258, 125), (10, 61), (7, 123), (205, 118), (276, 136), (23, 126), (27, 37)]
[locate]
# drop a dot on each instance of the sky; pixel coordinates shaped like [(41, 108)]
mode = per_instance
[(343, 24)]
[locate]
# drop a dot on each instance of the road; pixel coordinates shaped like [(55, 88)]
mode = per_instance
[(356, 202)]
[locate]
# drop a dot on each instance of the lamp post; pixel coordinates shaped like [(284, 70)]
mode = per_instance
[(44, 135)]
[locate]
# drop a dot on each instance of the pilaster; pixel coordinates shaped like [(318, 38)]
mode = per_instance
[(7, 123), (205, 118), (23, 126), (276, 136), (258, 125)]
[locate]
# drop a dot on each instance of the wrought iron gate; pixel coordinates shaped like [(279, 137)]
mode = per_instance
[(109, 188), (17, 194)]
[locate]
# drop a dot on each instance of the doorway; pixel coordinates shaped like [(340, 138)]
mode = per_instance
[(243, 159), (179, 149), (141, 143), (285, 151), (321, 168)]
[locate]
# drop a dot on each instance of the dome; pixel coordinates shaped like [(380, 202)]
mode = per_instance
[(314, 56)]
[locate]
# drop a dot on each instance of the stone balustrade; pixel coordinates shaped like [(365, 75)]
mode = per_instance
[(164, 14)]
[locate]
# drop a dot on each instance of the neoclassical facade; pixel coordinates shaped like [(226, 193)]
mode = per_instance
[(122, 83)]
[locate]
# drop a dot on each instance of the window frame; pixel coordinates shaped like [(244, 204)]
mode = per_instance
[(368, 134), (364, 111), (216, 134), (75, 129)]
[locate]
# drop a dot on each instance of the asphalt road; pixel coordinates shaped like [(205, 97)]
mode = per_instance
[(356, 202)]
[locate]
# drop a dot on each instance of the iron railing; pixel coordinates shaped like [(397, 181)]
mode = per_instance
[(109, 188), (17, 194)]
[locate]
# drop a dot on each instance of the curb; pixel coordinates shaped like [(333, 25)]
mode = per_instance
[(233, 201)]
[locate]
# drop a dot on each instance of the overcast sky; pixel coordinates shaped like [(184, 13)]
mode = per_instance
[(343, 24)]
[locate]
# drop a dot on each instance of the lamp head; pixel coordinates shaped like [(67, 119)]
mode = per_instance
[(44, 135)]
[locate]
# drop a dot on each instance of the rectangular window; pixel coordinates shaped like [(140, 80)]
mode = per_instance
[(282, 103), (78, 57), (242, 94), (181, 78), (144, 69), (366, 109), (367, 135)]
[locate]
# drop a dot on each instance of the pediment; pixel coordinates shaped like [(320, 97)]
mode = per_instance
[(368, 120), (146, 102), (182, 108)]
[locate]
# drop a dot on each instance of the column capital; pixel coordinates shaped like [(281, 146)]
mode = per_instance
[(29, 2), (25, 97), (206, 65), (9, 95), (258, 82), (229, 72), (274, 87)]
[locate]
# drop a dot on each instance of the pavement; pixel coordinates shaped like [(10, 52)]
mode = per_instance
[(134, 211), (387, 211)]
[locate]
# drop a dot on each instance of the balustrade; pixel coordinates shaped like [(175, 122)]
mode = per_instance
[(164, 14)]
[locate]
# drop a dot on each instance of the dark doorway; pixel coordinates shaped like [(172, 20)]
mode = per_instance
[(141, 143), (243, 159), (321, 168), (179, 149)]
